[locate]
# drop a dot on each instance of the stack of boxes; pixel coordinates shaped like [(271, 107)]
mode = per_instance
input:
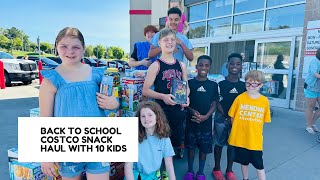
[(132, 86), (25, 170), (110, 86)]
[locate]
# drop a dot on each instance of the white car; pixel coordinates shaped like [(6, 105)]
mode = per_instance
[(18, 69), (121, 67)]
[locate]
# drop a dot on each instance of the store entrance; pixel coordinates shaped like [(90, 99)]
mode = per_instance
[(219, 52), (278, 58)]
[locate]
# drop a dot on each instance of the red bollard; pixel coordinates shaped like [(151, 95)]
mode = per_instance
[(2, 82), (97, 63), (82, 62), (117, 65), (40, 68)]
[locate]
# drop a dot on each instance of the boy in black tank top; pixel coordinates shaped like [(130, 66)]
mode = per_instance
[(160, 74)]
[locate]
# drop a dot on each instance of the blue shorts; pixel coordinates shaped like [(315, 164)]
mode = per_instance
[(72, 169), (222, 129), (311, 94), (202, 140)]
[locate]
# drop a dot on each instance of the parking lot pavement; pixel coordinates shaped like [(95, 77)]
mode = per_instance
[(15, 101), (18, 90), (289, 151)]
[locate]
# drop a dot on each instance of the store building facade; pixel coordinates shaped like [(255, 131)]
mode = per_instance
[(266, 31)]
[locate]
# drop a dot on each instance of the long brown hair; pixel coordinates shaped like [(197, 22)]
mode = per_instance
[(162, 129)]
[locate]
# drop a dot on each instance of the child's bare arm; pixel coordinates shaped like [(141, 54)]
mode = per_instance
[(220, 109), (128, 170), (186, 27), (154, 51), (212, 109), (205, 117), (169, 167), (46, 98), (187, 52)]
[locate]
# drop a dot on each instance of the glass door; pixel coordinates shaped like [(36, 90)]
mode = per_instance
[(198, 50), (276, 57)]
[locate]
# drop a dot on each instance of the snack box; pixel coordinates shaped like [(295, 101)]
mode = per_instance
[(131, 73), (127, 113), (35, 112), (27, 171)]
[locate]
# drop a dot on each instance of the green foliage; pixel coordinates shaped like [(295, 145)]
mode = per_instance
[(33, 46), (14, 32), (46, 47), (89, 51), (99, 51), (17, 43), (197, 32), (115, 52), (4, 42), (126, 56)]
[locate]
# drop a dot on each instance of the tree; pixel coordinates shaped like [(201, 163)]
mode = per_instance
[(89, 51), (197, 32), (4, 42), (2, 31), (126, 56), (14, 32), (32, 46), (26, 42), (115, 52), (99, 51), (17, 43), (46, 47)]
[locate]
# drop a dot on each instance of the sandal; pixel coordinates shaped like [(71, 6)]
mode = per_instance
[(218, 175)]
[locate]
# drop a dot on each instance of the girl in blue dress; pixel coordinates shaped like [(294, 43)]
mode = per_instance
[(71, 90)]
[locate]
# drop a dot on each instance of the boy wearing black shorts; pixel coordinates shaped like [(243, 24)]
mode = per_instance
[(203, 98), (249, 111), (229, 88)]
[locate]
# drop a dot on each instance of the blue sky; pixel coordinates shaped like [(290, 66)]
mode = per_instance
[(103, 22)]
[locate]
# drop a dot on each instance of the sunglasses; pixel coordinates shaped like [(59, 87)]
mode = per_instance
[(252, 84)]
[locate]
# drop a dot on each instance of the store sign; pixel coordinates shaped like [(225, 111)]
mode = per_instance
[(312, 44)]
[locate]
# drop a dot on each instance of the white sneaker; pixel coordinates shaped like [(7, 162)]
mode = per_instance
[(315, 128), (310, 130)]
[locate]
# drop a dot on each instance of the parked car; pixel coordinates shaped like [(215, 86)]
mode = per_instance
[(101, 62), (89, 61), (121, 67), (56, 59), (46, 62), (18, 69), (121, 62)]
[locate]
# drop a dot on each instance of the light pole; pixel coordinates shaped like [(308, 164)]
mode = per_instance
[(38, 43)]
